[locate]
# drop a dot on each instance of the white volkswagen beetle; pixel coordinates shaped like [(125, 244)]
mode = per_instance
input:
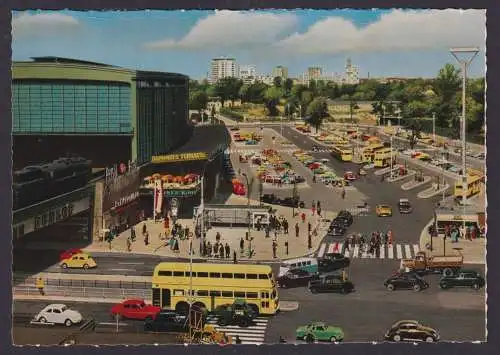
[(59, 314)]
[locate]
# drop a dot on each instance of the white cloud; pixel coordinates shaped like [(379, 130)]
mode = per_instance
[(27, 24), (231, 29), (398, 30)]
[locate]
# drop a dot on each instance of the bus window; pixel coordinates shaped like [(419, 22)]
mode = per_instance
[(227, 294), (202, 293), (178, 292), (252, 295), (193, 274), (274, 294), (270, 276), (239, 276), (262, 277), (227, 275), (178, 273), (308, 263), (156, 297), (293, 265), (264, 294), (252, 276), (215, 275), (239, 294), (164, 273), (215, 293), (202, 274)]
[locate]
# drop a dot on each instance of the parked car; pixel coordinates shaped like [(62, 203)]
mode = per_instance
[(404, 206), (69, 253), (331, 284), (406, 280), (345, 220), (270, 198), (167, 321), (463, 278), (332, 262), (295, 278), (59, 314), (134, 309), (319, 331), (79, 261), (411, 330), (336, 230)]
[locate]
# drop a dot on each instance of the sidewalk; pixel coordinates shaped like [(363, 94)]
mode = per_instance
[(297, 247), (474, 251)]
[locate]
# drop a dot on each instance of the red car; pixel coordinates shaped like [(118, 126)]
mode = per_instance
[(69, 253), (350, 176), (134, 309)]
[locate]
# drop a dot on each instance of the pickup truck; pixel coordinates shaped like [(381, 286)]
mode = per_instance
[(422, 263)]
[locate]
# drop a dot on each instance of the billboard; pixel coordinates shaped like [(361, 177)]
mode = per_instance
[(121, 186)]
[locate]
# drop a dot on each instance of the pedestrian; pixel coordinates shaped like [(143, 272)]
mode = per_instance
[(309, 227), (309, 241), (166, 223), (146, 239), (297, 230), (132, 234), (268, 230), (234, 257), (217, 237), (303, 217), (129, 245), (176, 246), (228, 251), (318, 205), (318, 211), (237, 340), (257, 224), (40, 286), (221, 251), (242, 246), (216, 250), (286, 247), (285, 226), (274, 249), (346, 245), (314, 178), (343, 193), (144, 229), (209, 249)]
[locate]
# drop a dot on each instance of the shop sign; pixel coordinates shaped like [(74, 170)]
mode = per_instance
[(181, 193), (171, 158), (117, 172), (121, 189), (125, 200), (51, 216)]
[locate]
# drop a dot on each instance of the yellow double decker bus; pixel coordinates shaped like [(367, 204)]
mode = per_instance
[(212, 285), (474, 185), (342, 152), (382, 157), (368, 153)]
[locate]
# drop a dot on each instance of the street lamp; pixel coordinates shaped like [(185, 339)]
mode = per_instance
[(434, 128), (248, 203), (464, 62), (390, 173)]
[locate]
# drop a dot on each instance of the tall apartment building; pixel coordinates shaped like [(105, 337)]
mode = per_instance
[(223, 68), (314, 72), (266, 79), (248, 74), (280, 71), (351, 73)]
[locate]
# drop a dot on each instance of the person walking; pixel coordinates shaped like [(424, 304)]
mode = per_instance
[(40, 285), (286, 247), (228, 251), (343, 193), (234, 257), (309, 241), (132, 234), (275, 245), (146, 239), (285, 226), (297, 229), (221, 251), (129, 245), (309, 227), (242, 246)]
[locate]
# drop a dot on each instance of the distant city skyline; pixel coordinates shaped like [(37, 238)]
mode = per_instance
[(384, 43)]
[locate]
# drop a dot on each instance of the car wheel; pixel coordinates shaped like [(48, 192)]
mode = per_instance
[(148, 327), (244, 322), (429, 340), (390, 287), (64, 266), (85, 266), (42, 320), (447, 272), (308, 338), (396, 337), (314, 290), (333, 340), (416, 288), (443, 285), (475, 286), (68, 323)]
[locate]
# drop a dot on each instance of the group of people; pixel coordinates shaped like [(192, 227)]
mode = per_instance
[(370, 244), (459, 231)]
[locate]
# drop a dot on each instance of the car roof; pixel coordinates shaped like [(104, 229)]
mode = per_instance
[(404, 200), (317, 324), (56, 305), (134, 300), (383, 205), (407, 321)]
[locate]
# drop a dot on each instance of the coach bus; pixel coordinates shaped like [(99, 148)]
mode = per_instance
[(368, 153), (342, 152), (382, 157), (214, 284)]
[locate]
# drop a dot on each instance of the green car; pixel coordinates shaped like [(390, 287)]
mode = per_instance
[(319, 331), (463, 278)]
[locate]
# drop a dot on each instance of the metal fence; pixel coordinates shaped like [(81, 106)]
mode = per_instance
[(136, 285), (84, 292)]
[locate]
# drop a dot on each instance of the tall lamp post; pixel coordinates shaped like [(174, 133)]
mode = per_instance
[(464, 56), (390, 173), (434, 128), (248, 203)]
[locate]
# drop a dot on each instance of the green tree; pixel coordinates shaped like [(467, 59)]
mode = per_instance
[(288, 85), (256, 93), (277, 82), (305, 99), (313, 85), (272, 99), (297, 91), (317, 111), (475, 105), (228, 89), (198, 101), (446, 86), (243, 93), (415, 128), (212, 114)]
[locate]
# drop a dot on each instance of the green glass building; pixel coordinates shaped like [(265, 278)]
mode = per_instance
[(102, 112)]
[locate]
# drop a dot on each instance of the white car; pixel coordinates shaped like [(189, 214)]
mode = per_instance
[(59, 314)]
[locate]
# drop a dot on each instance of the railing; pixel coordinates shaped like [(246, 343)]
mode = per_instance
[(113, 284), (84, 292)]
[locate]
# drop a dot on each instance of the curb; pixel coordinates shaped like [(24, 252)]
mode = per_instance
[(426, 180), (399, 178), (288, 306), (435, 193)]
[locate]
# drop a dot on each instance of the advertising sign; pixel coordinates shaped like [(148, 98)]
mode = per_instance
[(121, 186), (172, 158)]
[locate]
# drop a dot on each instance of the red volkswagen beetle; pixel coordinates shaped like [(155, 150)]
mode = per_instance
[(69, 253), (134, 309)]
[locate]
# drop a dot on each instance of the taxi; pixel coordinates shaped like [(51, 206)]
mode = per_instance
[(383, 210), (78, 261)]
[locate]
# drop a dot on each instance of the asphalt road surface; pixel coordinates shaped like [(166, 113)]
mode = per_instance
[(366, 314), (406, 228)]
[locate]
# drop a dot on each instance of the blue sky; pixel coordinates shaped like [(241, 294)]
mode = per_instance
[(381, 42)]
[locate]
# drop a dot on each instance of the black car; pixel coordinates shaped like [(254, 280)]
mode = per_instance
[(404, 206), (331, 284), (406, 280), (463, 278), (167, 321), (410, 330), (270, 198), (336, 231), (292, 202), (332, 262), (342, 221), (295, 278)]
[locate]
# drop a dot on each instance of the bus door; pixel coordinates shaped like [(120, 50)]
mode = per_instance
[(165, 298), (156, 301), (265, 301)]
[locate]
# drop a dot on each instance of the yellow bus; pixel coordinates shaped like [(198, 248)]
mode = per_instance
[(474, 185), (368, 153), (382, 157), (213, 285), (342, 152)]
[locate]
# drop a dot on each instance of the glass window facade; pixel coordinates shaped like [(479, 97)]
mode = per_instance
[(71, 107)]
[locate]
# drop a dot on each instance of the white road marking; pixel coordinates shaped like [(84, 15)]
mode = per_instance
[(416, 248), (382, 252), (123, 269), (408, 251), (112, 323), (356, 251), (131, 263), (390, 251), (399, 251), (321, 250)]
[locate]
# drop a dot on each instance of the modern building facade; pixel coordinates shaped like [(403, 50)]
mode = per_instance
[(280, 71), (223, 68), (248, 74), (351, 73), (101, 112)]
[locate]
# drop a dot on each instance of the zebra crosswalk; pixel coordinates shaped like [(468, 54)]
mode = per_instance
[(285, 150), (253, 334), (397, 251)]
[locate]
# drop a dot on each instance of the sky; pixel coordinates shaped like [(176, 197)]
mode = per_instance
[(383, 43)]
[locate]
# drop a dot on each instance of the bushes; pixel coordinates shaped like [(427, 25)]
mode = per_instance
[(231, 114)]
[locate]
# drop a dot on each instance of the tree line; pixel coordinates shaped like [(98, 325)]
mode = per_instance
[(410, 100)]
